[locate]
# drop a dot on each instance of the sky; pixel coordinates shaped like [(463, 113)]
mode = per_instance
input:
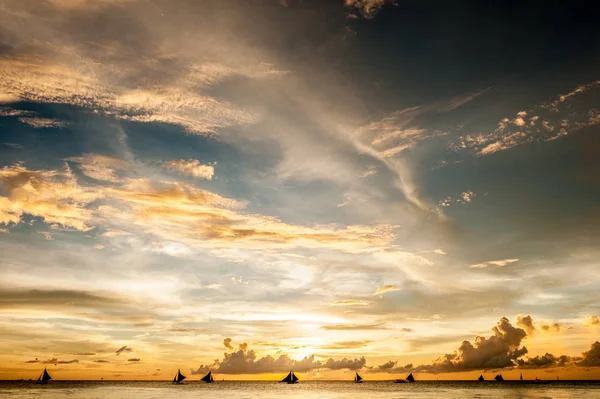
[(251, 187)]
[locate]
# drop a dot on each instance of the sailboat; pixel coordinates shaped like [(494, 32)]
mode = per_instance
[(499, 378), (481, 378), (178, 379), (44, 378), (208, 378), (358, 379), (521, 377), (410, 378), (290, 378)]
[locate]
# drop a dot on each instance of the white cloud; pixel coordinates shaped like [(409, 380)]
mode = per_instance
[(192, 167)]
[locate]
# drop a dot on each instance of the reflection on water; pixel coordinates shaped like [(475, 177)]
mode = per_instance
[(304, 390)]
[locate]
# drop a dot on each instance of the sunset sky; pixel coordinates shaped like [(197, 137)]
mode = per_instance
[(255, 186)]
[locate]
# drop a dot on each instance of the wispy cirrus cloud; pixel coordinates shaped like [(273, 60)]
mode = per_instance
[(497, 263)]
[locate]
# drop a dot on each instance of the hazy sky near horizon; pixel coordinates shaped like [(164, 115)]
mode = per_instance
[(327, 186)]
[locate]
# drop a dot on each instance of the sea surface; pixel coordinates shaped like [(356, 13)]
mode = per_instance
[(302, 390)]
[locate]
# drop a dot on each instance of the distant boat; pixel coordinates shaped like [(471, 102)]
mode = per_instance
[(44, 378), (178, 379), (521, 378), (481, 378), (410, 378), (290, 378), (499, 378), (208, 378), (358, 379)]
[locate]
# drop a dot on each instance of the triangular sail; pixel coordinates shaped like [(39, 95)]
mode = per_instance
[(410, 378), (294, 378), (480, 378), (358, 378), (521, 378), (207, 377), (45, 377), (499, 377), (180, 377), (288, 378)]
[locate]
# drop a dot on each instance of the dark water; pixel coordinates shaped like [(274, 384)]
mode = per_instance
[(303, 390)]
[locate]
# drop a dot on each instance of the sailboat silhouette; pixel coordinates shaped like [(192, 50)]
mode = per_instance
[(499, 378), (44, 378), (410, 378), (178, 379), (208, 378), (290, 378), (358, 379), (480, 378)]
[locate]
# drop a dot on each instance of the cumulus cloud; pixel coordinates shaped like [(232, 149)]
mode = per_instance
[(497, 263), (191, 167), (227, 343), (531, 327), (123, 349), (463, 198), (591, 358), (544, 361), (245, 361), (386, 288)]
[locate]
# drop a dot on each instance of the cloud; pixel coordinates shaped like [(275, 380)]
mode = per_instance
[(99, 246), (365, 8), (46, 81), (46, 234), (346, 345), (351, 302), (497, 263), (591, 358), (100, 167), (53, 360), (500, 350), (527, 323), (245, 361), (440, 252), (123, 349), (85, 354), (386, 288), (134, 360), (101, 361), (522, 129), (54, 196), (43, 123), (191, 167), (591, 321), (544, 361), (463, 198), (227, 343), (354, 327)]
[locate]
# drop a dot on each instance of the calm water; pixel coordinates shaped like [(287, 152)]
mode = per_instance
[(303, 390)]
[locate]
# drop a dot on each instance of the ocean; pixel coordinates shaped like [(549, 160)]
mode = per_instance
[(302, 390)]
